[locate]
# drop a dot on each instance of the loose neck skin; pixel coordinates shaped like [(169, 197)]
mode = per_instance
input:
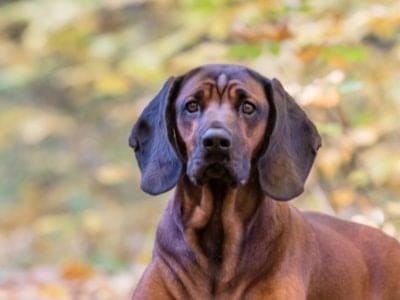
[(215, 226)]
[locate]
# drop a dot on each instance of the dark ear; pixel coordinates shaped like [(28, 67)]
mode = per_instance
[(153, 139), (292, 146)]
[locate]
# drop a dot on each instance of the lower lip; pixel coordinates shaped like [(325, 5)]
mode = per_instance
[(216, 170)]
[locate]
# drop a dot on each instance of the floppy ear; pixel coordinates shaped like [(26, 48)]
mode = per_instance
[(292, 146), (153, 139)]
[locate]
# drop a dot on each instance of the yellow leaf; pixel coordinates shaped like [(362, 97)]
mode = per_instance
[(329, 160), (111, 83), (111, 174), (54, 291), (92, 221), (343, 197)]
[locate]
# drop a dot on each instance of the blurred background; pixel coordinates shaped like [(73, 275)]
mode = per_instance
[(74, 76)]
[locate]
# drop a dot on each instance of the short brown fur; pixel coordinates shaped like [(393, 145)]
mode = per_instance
[(221, 241)]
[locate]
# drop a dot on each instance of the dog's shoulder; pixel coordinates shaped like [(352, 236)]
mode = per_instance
[(362, 236)]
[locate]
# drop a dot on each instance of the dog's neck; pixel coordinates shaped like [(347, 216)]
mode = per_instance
[(218, 225)]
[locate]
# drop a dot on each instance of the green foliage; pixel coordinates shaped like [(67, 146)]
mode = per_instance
[(353, 53), (241, 51)]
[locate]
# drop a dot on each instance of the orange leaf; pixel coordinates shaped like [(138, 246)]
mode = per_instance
[(275, 32), (76, 270)]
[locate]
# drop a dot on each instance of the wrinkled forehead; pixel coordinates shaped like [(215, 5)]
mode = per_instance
[(219, 77)]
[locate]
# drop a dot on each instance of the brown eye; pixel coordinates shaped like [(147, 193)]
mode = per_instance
[(248, 108), (192, 106)]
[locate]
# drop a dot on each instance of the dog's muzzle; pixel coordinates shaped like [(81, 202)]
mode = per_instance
[(216, 146)]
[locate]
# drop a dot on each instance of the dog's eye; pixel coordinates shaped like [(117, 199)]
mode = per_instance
[(248, 108), (192, 106)]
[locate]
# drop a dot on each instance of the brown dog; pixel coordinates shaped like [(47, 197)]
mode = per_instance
[(237, 146)]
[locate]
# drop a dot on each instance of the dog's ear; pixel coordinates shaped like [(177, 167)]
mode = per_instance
[(292, 144), (153, 139)]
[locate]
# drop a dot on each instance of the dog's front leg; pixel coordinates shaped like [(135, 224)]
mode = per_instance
[(151, 286)]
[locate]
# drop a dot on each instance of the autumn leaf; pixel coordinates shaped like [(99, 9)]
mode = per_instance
[(76, 270)]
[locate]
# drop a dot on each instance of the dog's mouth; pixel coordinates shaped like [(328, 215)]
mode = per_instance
[(224, 168), (216, 171)]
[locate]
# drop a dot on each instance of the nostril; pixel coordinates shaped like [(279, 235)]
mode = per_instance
[(225, 143), (208, 143)]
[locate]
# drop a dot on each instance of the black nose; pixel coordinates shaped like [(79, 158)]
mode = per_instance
[(216, 139)]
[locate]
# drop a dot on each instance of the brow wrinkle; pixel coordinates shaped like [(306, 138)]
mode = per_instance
[(230, 89), (222, 82), (209, 85)]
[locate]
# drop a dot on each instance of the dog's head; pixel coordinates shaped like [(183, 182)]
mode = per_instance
[(221, 122)]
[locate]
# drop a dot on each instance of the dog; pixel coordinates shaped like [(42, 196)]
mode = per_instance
[(237, 146)]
